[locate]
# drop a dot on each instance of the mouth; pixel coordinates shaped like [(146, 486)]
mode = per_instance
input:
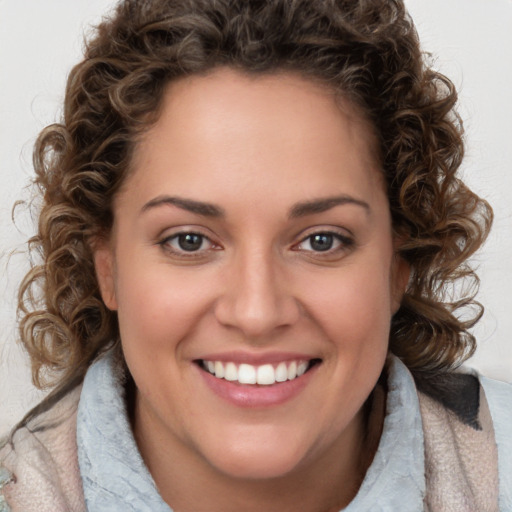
[(257, 375)]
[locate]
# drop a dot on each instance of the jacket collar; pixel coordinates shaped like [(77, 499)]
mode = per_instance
[(114, 474)]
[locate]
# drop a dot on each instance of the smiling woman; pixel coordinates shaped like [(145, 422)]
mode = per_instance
[(243, 274), (251, 216)]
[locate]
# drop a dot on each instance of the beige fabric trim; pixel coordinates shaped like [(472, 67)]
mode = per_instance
[(43, 456), (461, 463)]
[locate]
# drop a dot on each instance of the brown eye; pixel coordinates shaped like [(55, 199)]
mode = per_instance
[(190, 242), (187, 242)]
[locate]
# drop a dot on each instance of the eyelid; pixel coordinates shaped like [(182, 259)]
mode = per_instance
[(178, 235), (172, 234), (183, 229), (346, 241)]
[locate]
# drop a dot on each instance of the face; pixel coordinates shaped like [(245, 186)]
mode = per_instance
[(252, 267)]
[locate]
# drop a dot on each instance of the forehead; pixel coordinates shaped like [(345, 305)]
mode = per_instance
[(228, 131)]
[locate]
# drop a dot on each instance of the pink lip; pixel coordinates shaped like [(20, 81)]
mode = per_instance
[(243, 395)]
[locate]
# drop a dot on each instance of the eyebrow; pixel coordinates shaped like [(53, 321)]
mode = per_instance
[(301, 209), (323, 204), (198, 207)]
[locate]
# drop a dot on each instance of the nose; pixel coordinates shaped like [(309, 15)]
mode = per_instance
[(257, 300)]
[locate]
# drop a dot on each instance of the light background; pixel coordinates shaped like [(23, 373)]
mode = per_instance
[(472, 43)]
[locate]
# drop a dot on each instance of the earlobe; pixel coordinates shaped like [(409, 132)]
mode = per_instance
[(104, 265)]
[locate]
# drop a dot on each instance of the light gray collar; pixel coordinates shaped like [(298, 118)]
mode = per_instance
[(115, 477), (113, 473), (396, 478)]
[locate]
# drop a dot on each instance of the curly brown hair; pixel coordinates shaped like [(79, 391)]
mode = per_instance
[(366, 50)]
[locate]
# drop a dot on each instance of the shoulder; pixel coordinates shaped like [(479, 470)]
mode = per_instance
[(499, 398), (466, 423), (41, 456)]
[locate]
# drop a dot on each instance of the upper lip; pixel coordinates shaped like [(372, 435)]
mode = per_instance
[(257, 359)]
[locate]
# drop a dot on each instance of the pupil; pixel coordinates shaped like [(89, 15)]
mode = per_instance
[(321, 242), (190, 242)]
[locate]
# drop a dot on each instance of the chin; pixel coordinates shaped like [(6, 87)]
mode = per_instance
[(257, 459), (260, 468)]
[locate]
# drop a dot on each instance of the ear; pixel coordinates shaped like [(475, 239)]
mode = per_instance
[(400, 275), (105, 271)]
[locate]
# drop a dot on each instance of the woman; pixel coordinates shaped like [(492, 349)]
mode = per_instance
[(251, 224)]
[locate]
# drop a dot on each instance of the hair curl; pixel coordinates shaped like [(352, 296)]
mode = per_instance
[(367, 50)]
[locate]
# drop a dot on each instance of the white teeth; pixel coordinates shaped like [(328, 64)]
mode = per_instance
[(246, 374), (292, 370), (219, 370), (264, 375), (301, 368), (281, 372), (230, 372)]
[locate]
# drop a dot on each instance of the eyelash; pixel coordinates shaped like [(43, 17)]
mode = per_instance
[(183, 253), (341, 242)]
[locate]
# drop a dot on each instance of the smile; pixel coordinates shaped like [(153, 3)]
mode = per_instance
[(263, 375)]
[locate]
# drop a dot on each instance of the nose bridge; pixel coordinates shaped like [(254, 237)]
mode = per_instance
[(258, 282), (257, 298)]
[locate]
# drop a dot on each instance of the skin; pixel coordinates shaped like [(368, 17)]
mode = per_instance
[(255, 148)]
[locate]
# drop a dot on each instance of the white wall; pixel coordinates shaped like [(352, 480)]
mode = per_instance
[(472, 40)]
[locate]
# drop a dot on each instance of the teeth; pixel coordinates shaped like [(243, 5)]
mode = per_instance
[(219, 370), (264, 375), (230, 372), (292, 370), (246, 374), (281, 372), (301, 368)]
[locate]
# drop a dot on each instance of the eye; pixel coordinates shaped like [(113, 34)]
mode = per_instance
[(320, 242), (324, 242), (188, 242)]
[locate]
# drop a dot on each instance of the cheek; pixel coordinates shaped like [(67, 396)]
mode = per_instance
[(353, 307), (158, 311), (157, 308), (352, 310), (158, 305)]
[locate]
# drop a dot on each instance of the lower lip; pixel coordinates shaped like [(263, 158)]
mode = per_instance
[(247, 395)]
